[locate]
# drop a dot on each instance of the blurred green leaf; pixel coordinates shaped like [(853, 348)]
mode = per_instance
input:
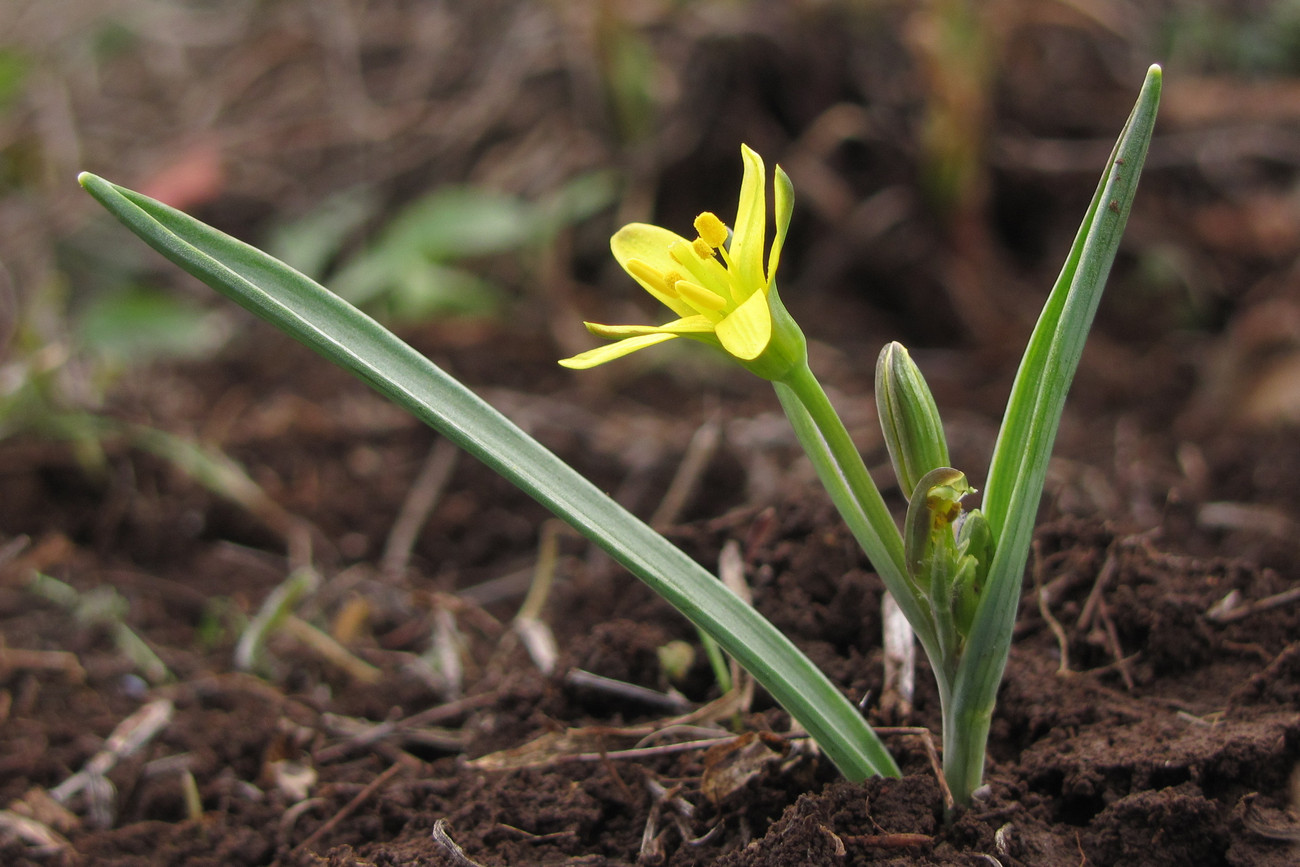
[(311, 242), (13, 73), (459, 223), (401, 284), (141, 324), (581, 198), (408, 274)]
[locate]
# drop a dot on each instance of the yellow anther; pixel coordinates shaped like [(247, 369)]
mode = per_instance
[(702, 248), (651, 275), (712, 230), (698, 297)]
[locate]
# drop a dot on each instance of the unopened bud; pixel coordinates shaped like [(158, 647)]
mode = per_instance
[(909, 418), (931, 513)]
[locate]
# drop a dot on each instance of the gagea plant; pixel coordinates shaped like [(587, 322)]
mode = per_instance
[(955, 573)]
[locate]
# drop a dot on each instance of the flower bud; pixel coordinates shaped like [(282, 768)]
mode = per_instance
[(909, 418), (975, 546), (934, 508)]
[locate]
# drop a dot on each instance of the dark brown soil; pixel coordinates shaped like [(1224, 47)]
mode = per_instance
[(1169, 737), (1150, 713)]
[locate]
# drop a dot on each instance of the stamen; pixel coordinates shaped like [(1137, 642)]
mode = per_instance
[(677, 252), (647, 273), (712, 230), (698, 297), (702, 248)]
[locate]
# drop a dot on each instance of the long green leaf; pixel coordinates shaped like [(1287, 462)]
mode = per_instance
[(332, 327), (1019, 465)]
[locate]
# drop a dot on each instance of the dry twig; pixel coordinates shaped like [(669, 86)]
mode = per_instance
[(347, 810)]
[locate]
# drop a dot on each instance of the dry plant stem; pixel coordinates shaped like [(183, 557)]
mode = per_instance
[(548, 557), (731, 571), (1107, 574), (888, 841), (900, 661), (14, 658), (41, 838), (1277, 600), (626, 691), (449, 847), (1044, 609), (348, 809), (331, 651), (700, 450), (420, 500), (132, 733), (1273, 830), (444, 653), (1112, 643), (528, 625)]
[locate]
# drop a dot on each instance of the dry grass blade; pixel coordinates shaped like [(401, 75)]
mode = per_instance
[(41, 840), (449, 847), (331, 651), (900, 662), (1229, 613), (1044, 609), (424, 494), (17, 659), (695, 461), (131, 734)]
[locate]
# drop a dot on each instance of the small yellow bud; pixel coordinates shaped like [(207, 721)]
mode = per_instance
[(712, 230)]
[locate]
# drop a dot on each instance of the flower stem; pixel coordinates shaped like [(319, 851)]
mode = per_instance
[(845, 477)]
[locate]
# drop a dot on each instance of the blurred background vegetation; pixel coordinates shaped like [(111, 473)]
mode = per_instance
[(453, 159)]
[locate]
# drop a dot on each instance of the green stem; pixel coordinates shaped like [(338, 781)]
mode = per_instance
[(845, 477), (965, 736)]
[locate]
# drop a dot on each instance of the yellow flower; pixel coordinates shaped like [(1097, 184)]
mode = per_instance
[(716, 284)]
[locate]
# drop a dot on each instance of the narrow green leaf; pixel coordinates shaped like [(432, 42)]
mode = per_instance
[(1019, 466), (349, 338), (1038, 394)]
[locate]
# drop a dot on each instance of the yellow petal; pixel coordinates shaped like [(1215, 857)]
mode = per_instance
[(783, 203), (687, 325), (601, 354), (747, 330), (747, 231), (648, 245)]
